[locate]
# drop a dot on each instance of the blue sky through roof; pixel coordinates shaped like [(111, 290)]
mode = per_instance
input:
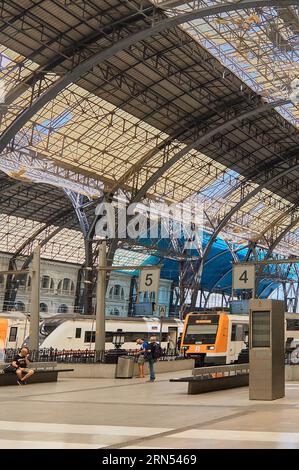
[(54, 124), (222, 184)]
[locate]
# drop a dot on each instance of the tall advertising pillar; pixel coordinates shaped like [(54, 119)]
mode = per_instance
[(266, 350)]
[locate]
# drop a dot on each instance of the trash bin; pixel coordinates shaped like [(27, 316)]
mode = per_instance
[(125, 367)]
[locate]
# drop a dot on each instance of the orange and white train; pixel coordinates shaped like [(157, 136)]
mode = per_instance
[(218, 337)]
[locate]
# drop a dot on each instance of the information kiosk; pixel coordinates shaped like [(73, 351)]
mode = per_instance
[(266, 353)]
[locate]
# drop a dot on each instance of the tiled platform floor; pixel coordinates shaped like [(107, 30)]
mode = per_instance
[(104, 413)]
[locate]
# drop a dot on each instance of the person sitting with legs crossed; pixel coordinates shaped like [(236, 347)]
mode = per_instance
[(21, 364)]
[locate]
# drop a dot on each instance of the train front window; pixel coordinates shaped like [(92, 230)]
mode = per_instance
[(47, 328), (201, 333)]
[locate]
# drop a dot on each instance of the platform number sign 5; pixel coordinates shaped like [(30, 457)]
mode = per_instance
[(149, 280), (243, 277)]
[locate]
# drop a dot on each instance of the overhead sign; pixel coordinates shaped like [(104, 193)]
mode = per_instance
[(149, 280), (244, 276)]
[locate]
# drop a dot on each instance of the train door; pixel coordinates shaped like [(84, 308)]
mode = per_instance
[(173, 337), (3, 334), (237, 341)]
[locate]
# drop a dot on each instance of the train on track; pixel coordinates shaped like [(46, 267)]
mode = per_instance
[(77, 332), (219, 337)]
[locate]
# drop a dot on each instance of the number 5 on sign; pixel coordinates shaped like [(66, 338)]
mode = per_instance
[(243, 277), (149, 280)]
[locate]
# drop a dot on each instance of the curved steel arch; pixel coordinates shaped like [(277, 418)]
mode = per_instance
[(228, 216), (215, 284), (250, 195), (281, 236), (267, 287), (100, 57), (274, 223), (201, 140), (65, 213)]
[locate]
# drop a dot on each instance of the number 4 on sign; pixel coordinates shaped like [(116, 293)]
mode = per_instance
[(243, 277)]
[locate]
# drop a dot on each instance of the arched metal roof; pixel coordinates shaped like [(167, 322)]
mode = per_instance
[(193, 111)]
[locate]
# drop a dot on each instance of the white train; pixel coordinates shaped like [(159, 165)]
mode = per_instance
[(74, 332)]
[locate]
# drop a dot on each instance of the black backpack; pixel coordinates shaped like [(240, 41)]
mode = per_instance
[(9, 369), (157, 351)]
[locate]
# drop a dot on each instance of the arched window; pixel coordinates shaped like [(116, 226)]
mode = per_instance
[(47, 283), (20, 306), (66, 286), (24, 282), (62, 308), (117, 292), (43, 307), (115, 312)]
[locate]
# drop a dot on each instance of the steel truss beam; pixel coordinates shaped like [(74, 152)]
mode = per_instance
[(241, 203), (99, 57), (39, 162), (201, 140), (66, 215), (70, 52), (274, 223), (77, 202), (196, 125), (289, 227)]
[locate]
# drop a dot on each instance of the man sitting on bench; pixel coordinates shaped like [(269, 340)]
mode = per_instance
[(21, 365)]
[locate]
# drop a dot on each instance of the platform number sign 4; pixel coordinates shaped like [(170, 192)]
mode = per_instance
[(149, 280), (243, 277)]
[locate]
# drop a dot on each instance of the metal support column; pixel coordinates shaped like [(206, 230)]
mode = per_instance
[(100, 299), (88, 278), (34, 307)]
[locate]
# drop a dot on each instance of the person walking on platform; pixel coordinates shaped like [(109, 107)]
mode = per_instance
[(152, 354), (143, 348)]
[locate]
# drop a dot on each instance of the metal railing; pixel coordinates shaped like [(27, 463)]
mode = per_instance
[(86, 356)]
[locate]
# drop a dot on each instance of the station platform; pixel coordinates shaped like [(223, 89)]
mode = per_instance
[(135, 414)]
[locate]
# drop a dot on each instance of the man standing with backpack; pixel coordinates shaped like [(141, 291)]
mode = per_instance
[(152, 354)]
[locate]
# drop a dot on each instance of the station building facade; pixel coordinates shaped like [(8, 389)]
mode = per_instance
[(59, 286)]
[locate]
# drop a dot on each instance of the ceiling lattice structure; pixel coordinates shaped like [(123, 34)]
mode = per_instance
[(138, 120)]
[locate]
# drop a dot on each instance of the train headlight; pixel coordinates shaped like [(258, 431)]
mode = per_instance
[(210, 347)]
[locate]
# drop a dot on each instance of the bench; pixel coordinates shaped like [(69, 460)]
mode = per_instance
[(44, 372), (210, 379)]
